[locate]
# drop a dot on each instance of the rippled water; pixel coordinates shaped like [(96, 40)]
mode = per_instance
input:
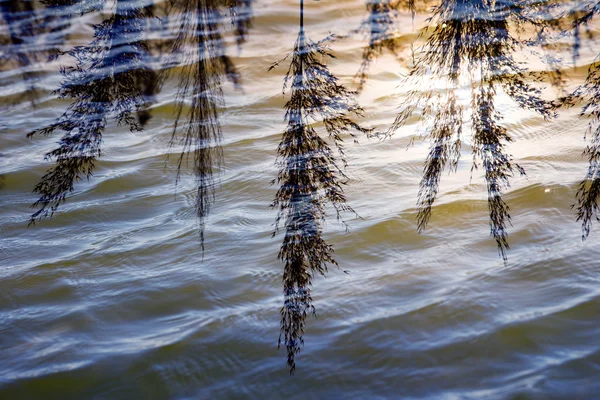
[(112, 298)]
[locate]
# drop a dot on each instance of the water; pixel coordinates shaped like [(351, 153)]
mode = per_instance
[(113, 297)]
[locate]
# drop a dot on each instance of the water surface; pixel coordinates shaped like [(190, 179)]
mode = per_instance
[(113, 297)]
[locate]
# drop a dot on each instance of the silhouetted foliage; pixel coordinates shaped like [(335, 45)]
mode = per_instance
[(588, 94), (469, 51), (471, 38), (546, 25), (380, 28), (309, 178), (110, 80), (200, 52)]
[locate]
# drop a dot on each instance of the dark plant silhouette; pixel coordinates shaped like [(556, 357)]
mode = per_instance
[(546, 24), (199, 50), (469, 50), (110, 80), (588, 191), (379, 26), (563, 18), (471, 40), (309, 179)]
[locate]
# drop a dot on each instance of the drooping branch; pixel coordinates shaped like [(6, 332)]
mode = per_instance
[(444, 153), (199, 50), (588, 94), (470, 40), (588, 192), (309, 179), (489, 139), (380, 28), (109, 81)]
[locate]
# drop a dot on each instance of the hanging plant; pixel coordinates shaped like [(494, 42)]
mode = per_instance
[(200, 53), (110, 80), (380, 28), (588, 94), (471, 40), (310, 178)]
